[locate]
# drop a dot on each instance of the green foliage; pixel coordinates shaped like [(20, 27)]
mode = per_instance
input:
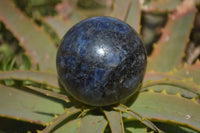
[(30, 31), (37, 44), (97, 123), (115, 120), (22, 104), (172, 41)]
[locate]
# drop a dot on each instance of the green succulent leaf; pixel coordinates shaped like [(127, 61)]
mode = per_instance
[(191, 72), (168, 52), (49, 93), (188, 75), (60, 26), (23, 97), (120, 9), (153, 79), (75, 17), (26, 105), (137, 116), (133, 16), (36, 42), (134, 127), (47, 78), (115, 121), (72, 15), (59, 119), (152, 28), (168, 108), (169, 128), (69, 126), (91, 123), (129, 11)]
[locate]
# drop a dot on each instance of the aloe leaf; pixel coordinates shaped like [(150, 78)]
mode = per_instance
[(39, 47), (151, 28), (170, 80), (72, 15), (115, 121), (67, 113), (160, 5), (169, 128), (75, 17), (60, 26), (150, 76), (187, 74), (134, 127), (101, 11), (49, 93), (170, 48), (70, 126), (96, 124), (120, 9), (25, 105), (90, 8), (178, 83), (191, 72), (167, 108), (48, 78), (137, 116), (133, 16)]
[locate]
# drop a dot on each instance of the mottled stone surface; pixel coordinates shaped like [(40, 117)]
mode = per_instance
[(101, 61)]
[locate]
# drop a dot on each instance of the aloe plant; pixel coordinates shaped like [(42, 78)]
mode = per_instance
[(168, 100)]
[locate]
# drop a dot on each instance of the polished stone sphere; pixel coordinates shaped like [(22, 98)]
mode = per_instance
[(101, 61)]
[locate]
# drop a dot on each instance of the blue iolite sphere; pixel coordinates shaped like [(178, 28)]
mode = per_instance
[(101, 61)]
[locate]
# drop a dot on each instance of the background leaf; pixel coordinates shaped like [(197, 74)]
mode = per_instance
[(37, 44), (47, 78), (168, 108), (58, 25), (25, 105), (169, 50), (160, 5), (133, 17), (120, 9)]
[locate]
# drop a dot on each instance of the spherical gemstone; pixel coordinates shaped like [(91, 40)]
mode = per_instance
[(101, 61)]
